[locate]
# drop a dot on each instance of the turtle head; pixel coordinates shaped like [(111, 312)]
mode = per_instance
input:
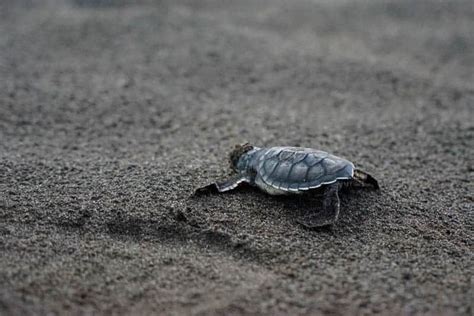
[(237, 152)]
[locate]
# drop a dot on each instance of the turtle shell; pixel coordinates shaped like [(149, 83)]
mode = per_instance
[(299, 169)]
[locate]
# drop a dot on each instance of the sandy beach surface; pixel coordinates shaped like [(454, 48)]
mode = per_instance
[(113, 112)]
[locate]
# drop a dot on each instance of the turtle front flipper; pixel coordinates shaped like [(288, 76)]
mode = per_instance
[(222, 186), (328, 214)]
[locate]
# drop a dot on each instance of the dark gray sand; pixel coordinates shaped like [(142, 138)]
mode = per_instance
[(112, 112)]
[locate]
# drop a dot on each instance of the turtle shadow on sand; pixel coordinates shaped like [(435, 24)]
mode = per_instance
[(297, 208)]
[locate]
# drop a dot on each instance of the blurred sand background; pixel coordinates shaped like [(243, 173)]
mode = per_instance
[(112, 112)]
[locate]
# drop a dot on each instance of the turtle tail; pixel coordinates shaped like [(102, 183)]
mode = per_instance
[(364, 178)]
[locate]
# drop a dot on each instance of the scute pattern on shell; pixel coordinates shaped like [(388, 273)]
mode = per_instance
[(299, 169)]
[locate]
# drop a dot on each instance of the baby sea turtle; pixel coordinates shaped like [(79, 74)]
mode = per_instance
[(294, 170)]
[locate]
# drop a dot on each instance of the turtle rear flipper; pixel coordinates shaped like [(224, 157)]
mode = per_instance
[(222, 186), (364, 179), (328, 214)]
